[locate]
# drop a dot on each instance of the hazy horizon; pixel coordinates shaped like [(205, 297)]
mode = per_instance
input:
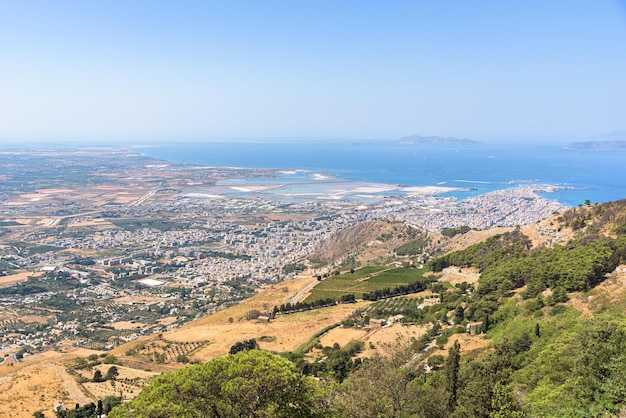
[(138, 72), (122, 141)]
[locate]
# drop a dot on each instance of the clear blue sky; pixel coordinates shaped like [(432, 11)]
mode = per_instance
[(330, 69)]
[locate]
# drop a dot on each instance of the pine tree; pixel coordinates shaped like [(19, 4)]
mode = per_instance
[(459, 315), (112, 373), (451, 370), (97, 376)]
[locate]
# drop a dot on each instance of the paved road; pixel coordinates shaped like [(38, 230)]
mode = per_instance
[(10, 356), (305, 289), (142, 199)]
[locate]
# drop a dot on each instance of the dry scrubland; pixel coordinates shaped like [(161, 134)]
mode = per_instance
[(611, 292), (37, 383), (128, 383), (285, 333), (218, 332), (379, 338), (363, 241)]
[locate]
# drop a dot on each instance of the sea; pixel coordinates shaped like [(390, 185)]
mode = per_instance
[(579, 175)]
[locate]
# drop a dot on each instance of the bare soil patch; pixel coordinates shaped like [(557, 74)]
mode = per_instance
[(121, 325), (468, 343), (167, 320), (343, 336), (79, 351), (54, 191), (99, 223), (455, 275), (36, 318), (148, 300), (34, 195), (396, 333), (18, 278), (27, 221), (462, 241), (37, 387), (223, 329), (81, 252)]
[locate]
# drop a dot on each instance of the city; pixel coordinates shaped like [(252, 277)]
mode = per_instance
[(122, 249)]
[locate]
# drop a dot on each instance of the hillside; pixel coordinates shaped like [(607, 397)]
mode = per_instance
[(366, 243), (598, 145), (615, 140), (382, 241), (535, 296), (531, 288)]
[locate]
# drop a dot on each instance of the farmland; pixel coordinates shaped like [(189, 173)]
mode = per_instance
[(394, 306), (366, 280)]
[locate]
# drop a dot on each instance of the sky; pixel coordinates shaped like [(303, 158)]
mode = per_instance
[(193, 70)]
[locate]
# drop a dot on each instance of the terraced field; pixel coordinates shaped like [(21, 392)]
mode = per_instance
[(393, 305), (164, 351)]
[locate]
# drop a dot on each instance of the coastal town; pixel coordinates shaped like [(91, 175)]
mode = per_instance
[(100, 248)]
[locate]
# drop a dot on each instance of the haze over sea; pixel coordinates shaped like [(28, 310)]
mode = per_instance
[(597, 175)]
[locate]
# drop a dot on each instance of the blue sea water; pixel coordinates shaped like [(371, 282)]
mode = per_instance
[(588, 174)]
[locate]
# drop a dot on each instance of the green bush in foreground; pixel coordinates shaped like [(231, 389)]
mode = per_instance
[(249, 383)]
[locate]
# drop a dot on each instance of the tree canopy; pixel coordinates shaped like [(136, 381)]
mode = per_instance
[(249, 383)]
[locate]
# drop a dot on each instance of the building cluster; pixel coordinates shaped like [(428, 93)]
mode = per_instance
[(189, 255), (509, 207)]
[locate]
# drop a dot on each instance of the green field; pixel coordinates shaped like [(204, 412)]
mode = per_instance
[(362, 272), (9, 223), (365, 280), (28, 248)]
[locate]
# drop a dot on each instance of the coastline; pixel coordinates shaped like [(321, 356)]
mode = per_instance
[(469, 171)]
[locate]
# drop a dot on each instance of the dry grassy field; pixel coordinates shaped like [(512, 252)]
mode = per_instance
[(378, 337), (36, 385), (224, 328), (126, 325), (468, 343), (42, 380), (218, 332), (18, 278), (455, 275), (127, 384)]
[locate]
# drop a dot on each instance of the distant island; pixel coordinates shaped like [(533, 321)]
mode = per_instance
[(417, 139), (611, 141), (598, 145)]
